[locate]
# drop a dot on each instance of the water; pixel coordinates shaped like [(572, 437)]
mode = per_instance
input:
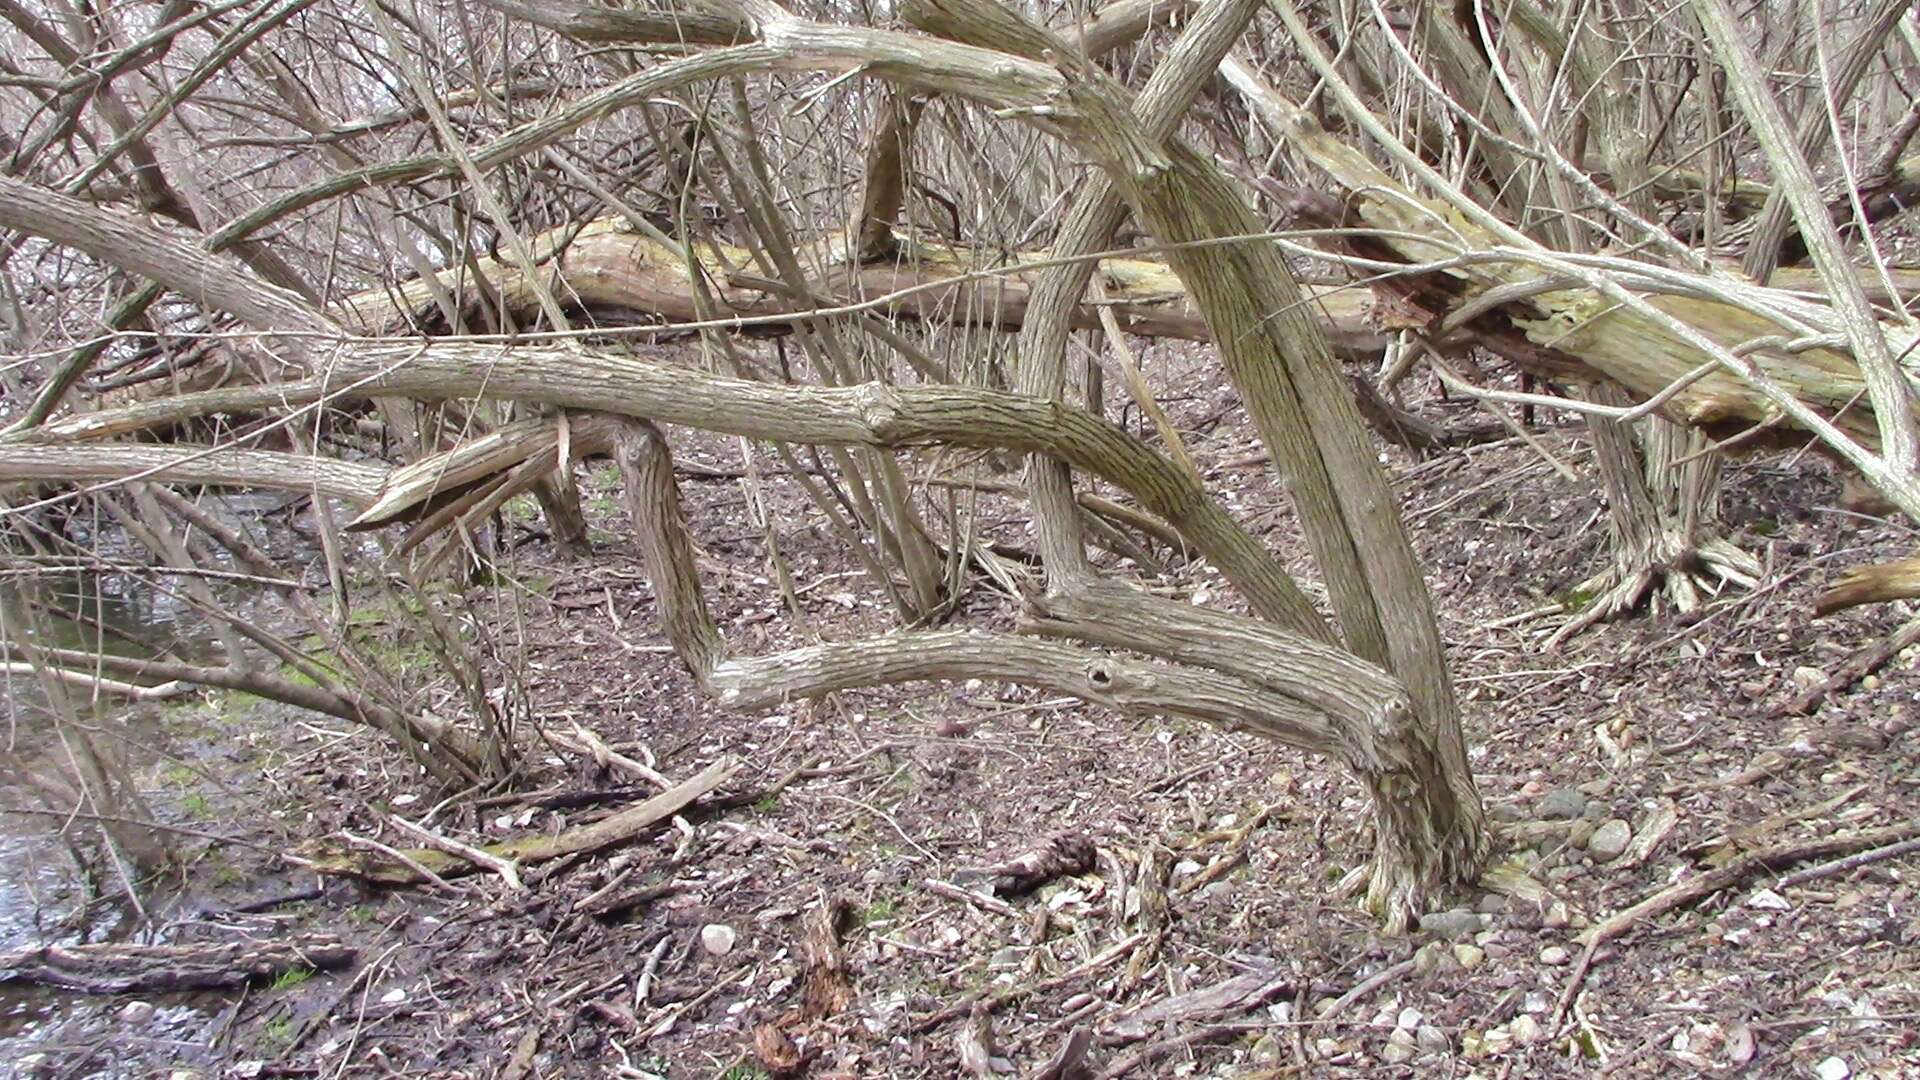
[(50, 893), (47, 895)]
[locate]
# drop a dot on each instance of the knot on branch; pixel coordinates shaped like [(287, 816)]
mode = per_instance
[(1113, 682), (879, 409)]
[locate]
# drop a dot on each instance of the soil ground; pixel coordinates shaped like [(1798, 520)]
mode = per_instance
[(1260, 964)]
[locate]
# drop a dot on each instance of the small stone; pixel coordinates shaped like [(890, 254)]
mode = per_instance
[(1768, 900), (1581, 832), (1457, 923), (1470, 956), (1409, 1018), (1432, 1040), (1609, 841), (1557, 916), (1807, 678), (137, 1012), (1553, 955), (718, 938), (1491, 904), (1426, 959), (1524, 1029), (1401, 1046), (1833, 1068), (1741, 1045), (1870, 682), (393, 997), (1266, 1052), (1326, 1047), (1562, 804)]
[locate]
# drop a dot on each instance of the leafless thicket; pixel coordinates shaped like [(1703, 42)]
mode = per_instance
[(410, 262)]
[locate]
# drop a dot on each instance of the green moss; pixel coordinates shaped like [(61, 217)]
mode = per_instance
[(521, 508), (277, 1032), (290, 978), (234, 706), (1575, 599)]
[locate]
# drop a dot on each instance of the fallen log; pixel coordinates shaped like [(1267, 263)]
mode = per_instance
[(327, 857), (120, 968), (1875, 584), (621, 277)]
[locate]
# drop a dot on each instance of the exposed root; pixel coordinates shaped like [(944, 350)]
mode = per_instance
[(1682, 578)]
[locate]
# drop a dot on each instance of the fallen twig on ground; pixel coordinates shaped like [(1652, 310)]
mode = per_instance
[(508, 873), (1699, 887), (1857, 667), (1366, 986), (1229, 997), (980, 900), (1006, 997), (1851, 862)]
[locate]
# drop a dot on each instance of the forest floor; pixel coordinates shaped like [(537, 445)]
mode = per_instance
[(1209, 937)]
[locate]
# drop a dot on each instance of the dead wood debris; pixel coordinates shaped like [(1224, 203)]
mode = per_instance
[(777, 1053), (1004, 998), (120, 968), (1859, 666), (520, 1063), (1064, 854), (1231, 997), (1734, 871), (421, 864), (980, 900), (1068, 1062), (979, 1055), (829, 984), (1200, 1036)]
